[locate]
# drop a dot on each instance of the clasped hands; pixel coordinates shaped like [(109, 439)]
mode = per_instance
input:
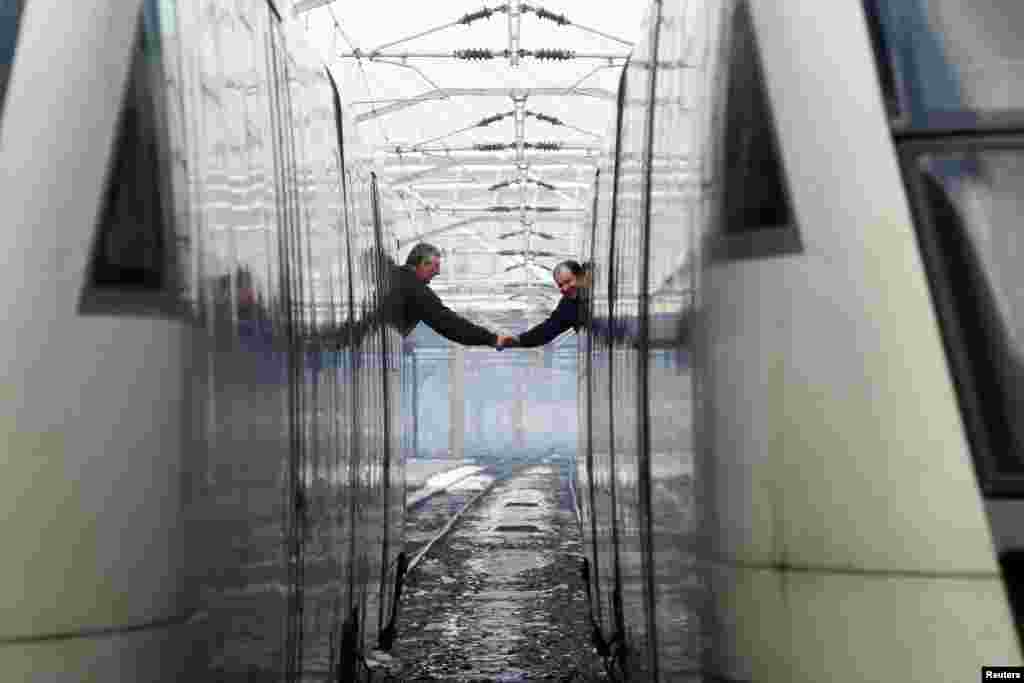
[(505, 341)]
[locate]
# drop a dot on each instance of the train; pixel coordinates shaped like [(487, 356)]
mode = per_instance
[(799, 380), (204, 407), (800, 446)]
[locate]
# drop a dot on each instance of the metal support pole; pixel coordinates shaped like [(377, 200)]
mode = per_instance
[(415, 406), (519, 414), (457, 401), (515, 13)]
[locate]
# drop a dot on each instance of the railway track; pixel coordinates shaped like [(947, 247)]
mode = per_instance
[(493, 591)]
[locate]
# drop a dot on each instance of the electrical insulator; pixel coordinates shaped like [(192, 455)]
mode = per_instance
[(469, 18), (544, 117), (474, 53), (491, 119), (490, 146), (560, 19), (552, 53)]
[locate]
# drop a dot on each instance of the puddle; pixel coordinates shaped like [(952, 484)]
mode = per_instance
[(474, 482), (506, 595), (520, 528), (445, 479), (507, 563)]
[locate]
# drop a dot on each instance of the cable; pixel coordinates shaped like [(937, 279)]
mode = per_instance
[(563, 20), (465, 20), (362, 71)]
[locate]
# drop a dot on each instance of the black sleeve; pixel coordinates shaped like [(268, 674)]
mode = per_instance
[(447, 322), (560, 320)]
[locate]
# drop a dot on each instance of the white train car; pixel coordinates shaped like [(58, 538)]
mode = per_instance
[(844, 215), (203, 475), (861, 450)]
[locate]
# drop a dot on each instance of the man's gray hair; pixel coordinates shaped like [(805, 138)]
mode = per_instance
[(421, 253), (568, 267)]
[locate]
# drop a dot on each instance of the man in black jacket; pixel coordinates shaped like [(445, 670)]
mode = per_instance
[(411, 300), (573, 281)]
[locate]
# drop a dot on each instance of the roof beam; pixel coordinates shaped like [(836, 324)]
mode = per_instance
[(445, 93)]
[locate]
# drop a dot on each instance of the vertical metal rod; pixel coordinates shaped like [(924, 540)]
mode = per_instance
[(515, 13), (643, 433), (519, 114)]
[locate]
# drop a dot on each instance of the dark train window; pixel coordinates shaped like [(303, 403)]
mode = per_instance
[(131, 266), (10, 15), (968, 198), (754, 203)]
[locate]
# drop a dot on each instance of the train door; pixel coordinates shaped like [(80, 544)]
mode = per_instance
[(393, 472), (672, 195), (585, 471), (294, 304), (605, 507), (344, 408), (321, 420), (366, 462)]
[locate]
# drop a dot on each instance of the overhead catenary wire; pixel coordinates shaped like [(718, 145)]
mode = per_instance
[(590, 73), (410, 66), (524, 204), (543, 146), (485, 53), (482, 123), (466, 19), (563, 20), (362, 71), (555, 121)]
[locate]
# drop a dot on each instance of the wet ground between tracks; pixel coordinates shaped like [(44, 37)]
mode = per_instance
[(500, 598)]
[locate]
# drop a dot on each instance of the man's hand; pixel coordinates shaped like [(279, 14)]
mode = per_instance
[(504, 341)]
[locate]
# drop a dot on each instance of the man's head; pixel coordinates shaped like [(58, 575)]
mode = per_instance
[(425, 260), (568, 276)]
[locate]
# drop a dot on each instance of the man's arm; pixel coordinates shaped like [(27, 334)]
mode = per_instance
[(448, 323), (560, 320)]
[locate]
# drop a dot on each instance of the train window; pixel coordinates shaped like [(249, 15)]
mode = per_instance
[(969, 197), (755, 218), (955, 64), (10, 16), (131, 266)]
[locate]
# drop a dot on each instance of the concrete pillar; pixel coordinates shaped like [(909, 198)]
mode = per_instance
[(415, 405), (457, 400), (477, 412)]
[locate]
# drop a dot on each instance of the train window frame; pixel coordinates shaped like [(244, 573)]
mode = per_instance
[(104, 291), (966, 344), (732, 236), (10, 29), (901, 107)]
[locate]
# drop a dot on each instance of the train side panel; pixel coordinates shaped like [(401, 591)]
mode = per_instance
[(606, 605), (675, 209), (94, 400)]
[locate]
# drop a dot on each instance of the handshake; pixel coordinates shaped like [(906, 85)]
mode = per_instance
[(505, 341)]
